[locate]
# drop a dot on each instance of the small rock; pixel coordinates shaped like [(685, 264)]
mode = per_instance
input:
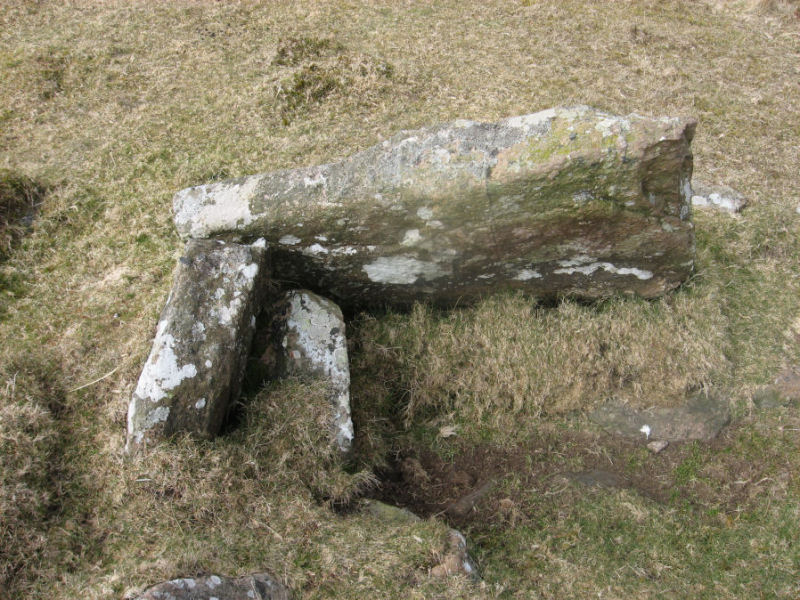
[(259, 586), (391, 515), (717, 196), (701, 418), (657, 446), (456, 561)]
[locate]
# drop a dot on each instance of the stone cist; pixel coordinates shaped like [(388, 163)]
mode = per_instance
[(567, 201)]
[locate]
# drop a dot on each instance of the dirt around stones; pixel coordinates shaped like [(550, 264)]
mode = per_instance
[(485, 486)]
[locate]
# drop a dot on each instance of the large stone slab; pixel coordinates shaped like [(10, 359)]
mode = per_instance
[(259, 586), (306, 338), (197, 361), (564, 201)]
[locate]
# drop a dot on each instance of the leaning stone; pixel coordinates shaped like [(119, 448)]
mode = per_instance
[(564, 201), (259, 586), (196, 365), (701, 418), (308, 341), (720, 197)]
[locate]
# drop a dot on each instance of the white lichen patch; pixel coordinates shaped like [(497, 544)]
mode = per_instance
[(539, 121), (411, 238), (583, 266), (425, 213), (161, 372), (344, 251), (199, 331), (315, 250), (402, 270), (289, 240), (204, 210), (158, 415), (527, 274), (315, 180)]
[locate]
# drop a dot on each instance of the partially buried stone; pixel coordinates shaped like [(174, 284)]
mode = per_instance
[(197, 361), (720, 197), (259, 586), (306, 339), (702, 417), (563, 201)]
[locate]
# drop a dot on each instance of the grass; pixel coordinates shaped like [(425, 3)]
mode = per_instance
[(117, 105)]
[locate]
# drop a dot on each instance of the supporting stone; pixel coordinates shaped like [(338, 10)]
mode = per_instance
[(196, 365), (564, 201), (306, 339), (259, 586)]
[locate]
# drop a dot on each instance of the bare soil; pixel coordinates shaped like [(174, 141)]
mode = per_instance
[(488, 486)]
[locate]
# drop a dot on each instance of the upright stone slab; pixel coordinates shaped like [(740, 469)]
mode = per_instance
[(564, 201), (196, 365), (306, 339)]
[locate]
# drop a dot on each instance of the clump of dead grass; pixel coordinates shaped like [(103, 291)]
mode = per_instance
[(509, 358), (321, 68)]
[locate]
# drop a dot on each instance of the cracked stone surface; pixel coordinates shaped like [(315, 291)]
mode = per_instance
[(563, 201), (196, 364), (259, 586)]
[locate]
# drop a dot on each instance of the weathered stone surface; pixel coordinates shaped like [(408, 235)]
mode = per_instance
[(701, 418), (564, 201), (259, 586), (720, 197), (196, 364), (307, 340)]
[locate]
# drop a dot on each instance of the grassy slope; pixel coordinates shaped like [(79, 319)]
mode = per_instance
[(117, 105)]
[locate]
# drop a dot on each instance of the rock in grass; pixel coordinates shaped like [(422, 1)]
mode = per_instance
[(564, 201), (454, 559), (259, 586), (197, 361), (720, 197), (306, 339), (700, 418)]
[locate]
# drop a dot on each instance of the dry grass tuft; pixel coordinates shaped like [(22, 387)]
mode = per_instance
[(29, 490), (510, 361), (20, 198)]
